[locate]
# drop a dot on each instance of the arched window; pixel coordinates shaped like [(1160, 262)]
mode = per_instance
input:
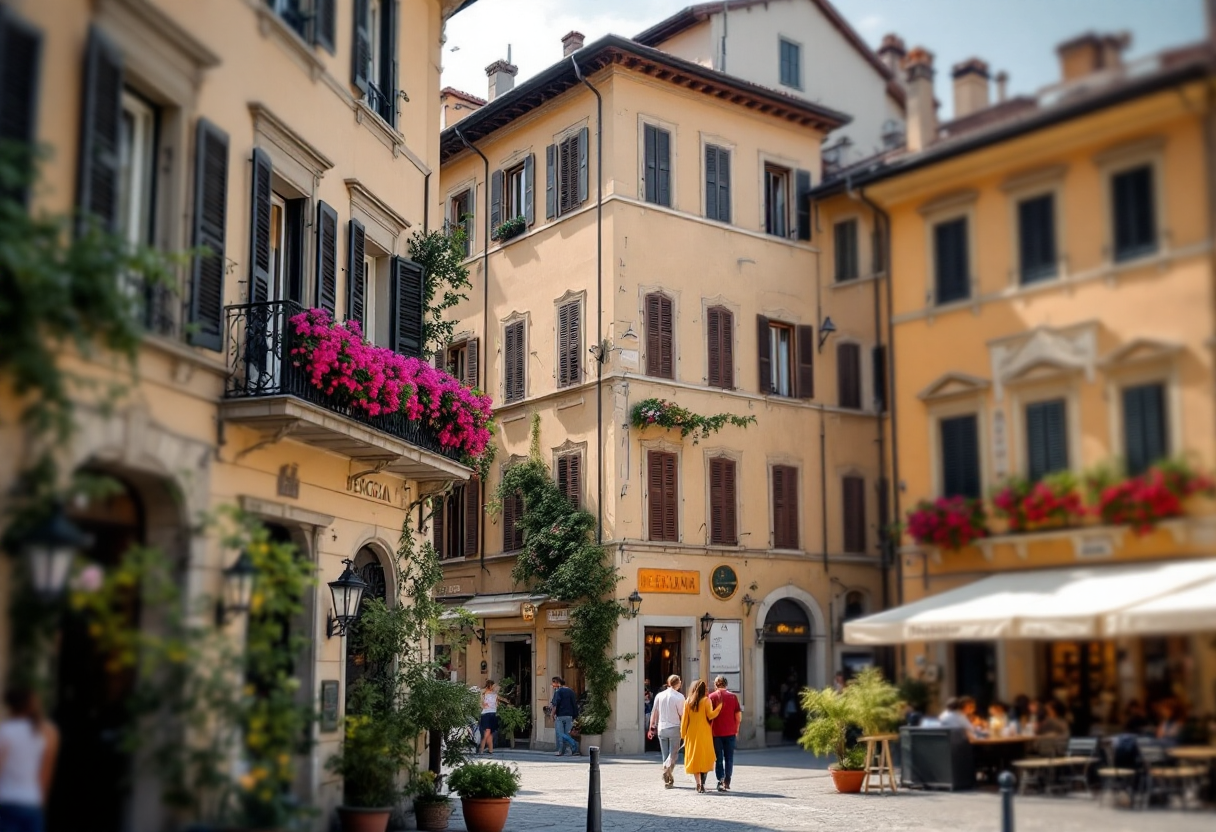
[(854, 605), (369, 567), (787, 620)]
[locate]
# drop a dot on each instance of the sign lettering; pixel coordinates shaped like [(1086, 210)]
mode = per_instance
[(372, 490), (683, 582), (561, 616)]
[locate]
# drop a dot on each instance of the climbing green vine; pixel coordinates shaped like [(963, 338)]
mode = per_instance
[(441, 255), (670, 415), (561, 559)]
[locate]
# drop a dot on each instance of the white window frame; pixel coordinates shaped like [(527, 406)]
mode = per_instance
[(951, 207), (1027, 186)]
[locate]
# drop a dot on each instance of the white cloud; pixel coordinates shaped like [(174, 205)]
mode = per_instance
[(871, 24)]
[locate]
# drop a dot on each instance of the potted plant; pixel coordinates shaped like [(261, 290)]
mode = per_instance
[(485, 791), (510, 228), (591, 726), (774, 729), (431, 808), (368, 763), (868, 703), (1052, 502), (512, 719)]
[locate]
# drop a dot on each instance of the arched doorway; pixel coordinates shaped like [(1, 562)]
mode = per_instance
[(370, 568), (93, 778), (787, 641)]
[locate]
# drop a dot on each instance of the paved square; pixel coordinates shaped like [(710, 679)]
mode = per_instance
[(784, 790)]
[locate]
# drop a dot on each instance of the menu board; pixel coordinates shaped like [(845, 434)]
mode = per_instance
[(725, 647)]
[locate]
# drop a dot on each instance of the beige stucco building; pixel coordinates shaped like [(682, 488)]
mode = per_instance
[(254, 128), (661, 252)]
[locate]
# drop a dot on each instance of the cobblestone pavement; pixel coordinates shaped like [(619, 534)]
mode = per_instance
[(787, 790)]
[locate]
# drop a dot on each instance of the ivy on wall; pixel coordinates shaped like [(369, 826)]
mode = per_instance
[(670, 415)]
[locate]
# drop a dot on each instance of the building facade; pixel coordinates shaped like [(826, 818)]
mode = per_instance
[(1052, 284), (655, 246), (297, 141)]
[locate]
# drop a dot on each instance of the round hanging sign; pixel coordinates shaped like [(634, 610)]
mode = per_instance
[(724, 582)]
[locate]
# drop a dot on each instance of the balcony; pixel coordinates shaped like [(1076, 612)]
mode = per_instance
[(265, 391)]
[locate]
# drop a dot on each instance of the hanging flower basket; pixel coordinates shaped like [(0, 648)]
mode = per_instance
[(948, 522)]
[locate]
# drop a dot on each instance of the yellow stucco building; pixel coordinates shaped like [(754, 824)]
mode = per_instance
[(304, 149), (653, 243), (1052, 294)]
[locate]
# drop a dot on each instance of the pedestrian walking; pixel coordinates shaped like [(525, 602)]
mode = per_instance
[(697, 733), (564, 707), (665, 718), (489, 717), (725, 731), (29, 744)]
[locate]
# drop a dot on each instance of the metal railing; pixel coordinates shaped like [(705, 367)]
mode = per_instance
[(259, 339), (383, 103)]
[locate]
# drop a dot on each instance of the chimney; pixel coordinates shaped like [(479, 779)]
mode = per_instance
[(572, 42), (892, 53), (1002, 84), (1090, 53), (457, 104), (502, 78), (970, 87), (922, 109)]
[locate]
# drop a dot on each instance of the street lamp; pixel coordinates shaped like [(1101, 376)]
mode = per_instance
[(825, 329), (49, 549), (347, 593), (707, 623), (238, 589), (759, 636), (635, 604)]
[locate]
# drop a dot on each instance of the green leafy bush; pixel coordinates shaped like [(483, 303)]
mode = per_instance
[(868, 703), (368, 763), (479, 780)]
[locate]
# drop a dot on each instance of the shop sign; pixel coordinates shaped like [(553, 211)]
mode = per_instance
[(329, 705), (725, 647), (447, 589), (724, 582), (683, 582), (560, 616), (371, 489), (528, 611)]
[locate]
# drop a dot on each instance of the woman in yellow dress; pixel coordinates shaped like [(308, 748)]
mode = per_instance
[(695, 730)]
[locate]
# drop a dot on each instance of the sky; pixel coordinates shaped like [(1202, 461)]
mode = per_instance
[(1018, 36)]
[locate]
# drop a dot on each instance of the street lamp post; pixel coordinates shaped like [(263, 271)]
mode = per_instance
[(49, 549), (238, 589), (347, 593)]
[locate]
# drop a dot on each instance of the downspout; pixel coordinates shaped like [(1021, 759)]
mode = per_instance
[(601, 357), (823, 486), (426, 203), (485, 303)]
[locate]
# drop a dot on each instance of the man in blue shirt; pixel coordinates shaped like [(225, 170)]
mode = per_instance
[(564, 708)]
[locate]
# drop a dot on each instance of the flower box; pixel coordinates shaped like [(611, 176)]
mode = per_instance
[(948, 522), (511, 228)]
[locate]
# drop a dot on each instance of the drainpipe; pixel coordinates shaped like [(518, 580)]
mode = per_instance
[(823, 485), (426, 203), (485, 302), (599, 301)]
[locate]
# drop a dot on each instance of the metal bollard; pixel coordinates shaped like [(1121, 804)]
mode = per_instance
[(595, 819), (1006, 781)]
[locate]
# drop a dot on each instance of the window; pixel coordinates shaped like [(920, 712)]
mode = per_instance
[(512, 533), (511, 197), (723, 505), (455, 521), (848, 375), (517, 193), (776, 201), (720, 324), (570, 477), (137, 168), (566, 174), (460, 215), (293, 13), (791, 64), (878, 357), (952, 281), (1135, 218), (1144, 435), (785, 507), (1037, 238), (846, 250), (854, 606), (660, 361), (1046, 439), (662, 495), (786, 356), (462, 361), (960, 450), (854, 502), (514, 362), (569, 344), (374, 54), (717, 183), (657, 175)]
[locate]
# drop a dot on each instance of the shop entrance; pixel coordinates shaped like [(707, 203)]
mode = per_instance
[(663, 657), (787, 643), (517, 680), (975, 672)]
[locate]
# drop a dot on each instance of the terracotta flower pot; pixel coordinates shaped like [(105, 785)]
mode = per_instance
[(433, 817), (485, 814), (363, 820), (847, 782)]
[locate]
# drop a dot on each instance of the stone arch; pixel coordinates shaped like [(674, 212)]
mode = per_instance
[(815, 649)]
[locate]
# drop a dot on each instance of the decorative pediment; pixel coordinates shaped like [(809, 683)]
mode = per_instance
[(1140, 351), (954, 384), (1044, 354)]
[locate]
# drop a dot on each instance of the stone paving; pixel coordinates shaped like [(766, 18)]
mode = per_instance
[(787, 790)]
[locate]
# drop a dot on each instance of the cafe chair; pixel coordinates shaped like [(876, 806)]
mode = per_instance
[(1118, 776), (1166, 779), (1075, 766)]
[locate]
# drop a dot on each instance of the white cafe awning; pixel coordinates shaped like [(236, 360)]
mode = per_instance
[(1190, 610), (506, 605), (1035, 604)]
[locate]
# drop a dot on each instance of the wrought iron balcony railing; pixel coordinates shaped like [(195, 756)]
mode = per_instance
[(259, 343), (383, 103)]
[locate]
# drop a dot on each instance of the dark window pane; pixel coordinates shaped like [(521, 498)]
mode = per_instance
[(846, 250), (1135, 218), (952, 278), (960, 456), (1144, 436), (1046, 438), (1037, 238)]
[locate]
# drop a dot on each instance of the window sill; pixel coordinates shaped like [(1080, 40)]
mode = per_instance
[(271, 25), (380, 128), (856, 281)]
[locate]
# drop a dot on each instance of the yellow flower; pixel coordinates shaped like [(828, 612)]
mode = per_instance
[(247, 782), (257, 602), (259, 774)]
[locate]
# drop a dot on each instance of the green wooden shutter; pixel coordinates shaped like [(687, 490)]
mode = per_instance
[(327, 258), (496, 188), (711, 182), (802, 192), (259, 228), (530, 189), (361, 46), (583, 149), (806, 361), (210, 230), (1046, 438), (407, 307), (959, 437), (551, 181), (325, 24), (20, 60), (356, 290), (650, 149), (723, 185), (950, 261), (514, 361), (100, 132)]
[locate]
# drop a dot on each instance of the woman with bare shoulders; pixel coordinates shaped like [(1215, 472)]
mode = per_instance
[(29, 744)]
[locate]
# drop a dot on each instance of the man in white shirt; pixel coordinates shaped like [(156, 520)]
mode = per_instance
[(955, 715), (665, 716)]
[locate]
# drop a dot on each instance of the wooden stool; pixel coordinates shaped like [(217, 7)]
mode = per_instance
[(880, 743)]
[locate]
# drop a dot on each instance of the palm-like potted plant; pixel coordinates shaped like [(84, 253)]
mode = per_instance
[(485, 791), (369, 762), (869, 703), (431, 808)]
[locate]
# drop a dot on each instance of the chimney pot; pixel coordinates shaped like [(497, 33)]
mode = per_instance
[(892, 53), (571, 42), (1002, 84), (970, 87), (922, 108), (502, 78), (1090, 53)]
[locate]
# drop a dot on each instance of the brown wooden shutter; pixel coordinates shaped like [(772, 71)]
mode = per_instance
[(513, 362), (570, 478), (569, 342), (721, 338), (662, 491), (659, 341), (512, 534), (472, 359), (210, 228), (785, 507), (806, 361), (764, 350), (848, 375), (854, 499), (713, 338), (723, 520), (472, 515), (437, 524)]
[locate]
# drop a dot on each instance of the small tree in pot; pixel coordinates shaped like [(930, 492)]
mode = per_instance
[(485, 791), (369, 762), (431, 808), (868, 703)]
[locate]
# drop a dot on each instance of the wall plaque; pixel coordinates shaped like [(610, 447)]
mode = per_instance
[(559, 616), (723, 582), (684, 582), (329, 705), (289, 481)]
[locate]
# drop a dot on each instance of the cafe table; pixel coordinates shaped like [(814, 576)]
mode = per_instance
[(1199, 754), (996, 754)]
